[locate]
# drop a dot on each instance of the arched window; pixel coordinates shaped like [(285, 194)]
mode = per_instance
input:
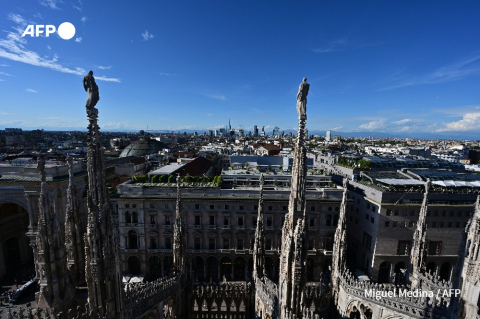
[(128, 217), (135, 218)]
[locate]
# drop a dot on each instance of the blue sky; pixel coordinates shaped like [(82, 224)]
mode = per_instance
[(384, 66)]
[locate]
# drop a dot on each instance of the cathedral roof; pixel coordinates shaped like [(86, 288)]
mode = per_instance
[(143, 147)]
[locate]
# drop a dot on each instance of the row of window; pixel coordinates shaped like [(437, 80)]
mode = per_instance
[(444, 213), (227, 207), (433, 247), (429, 224), (133, 218)]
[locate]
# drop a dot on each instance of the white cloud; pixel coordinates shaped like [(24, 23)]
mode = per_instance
[(102, 78), (168, 74), (216, 96), (448, 73), (1, 80), (78, 39), (469, 122), (84, 19), (80, 5), (3, 73), (13, 47), (38, 15), (334, 46), (147, 36), (4, 65), (373, 125), (336, 128), (31, 91), (104, 67), (402, 122), (52, 4)]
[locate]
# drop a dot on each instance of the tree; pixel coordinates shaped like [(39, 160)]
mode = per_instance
[(155, 179), (171, 179), (364, 165), (162, 179)]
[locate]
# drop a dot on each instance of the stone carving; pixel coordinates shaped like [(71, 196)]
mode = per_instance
[(302, 99), (92, 89)]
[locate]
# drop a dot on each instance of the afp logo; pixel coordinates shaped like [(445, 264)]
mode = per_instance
[(65, 31)]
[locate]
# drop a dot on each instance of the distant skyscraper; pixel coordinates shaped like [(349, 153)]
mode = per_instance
[(263, 131), (255, 130), (328, 137), (276, 131)]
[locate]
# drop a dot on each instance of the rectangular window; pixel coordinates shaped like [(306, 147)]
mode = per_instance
[(198, 220), (311, 244), (240, 243), (395, 212), (372, 220), (197, 243), (254, 221), (411, 224), (366, 216), (167, 220), (197, 206), (270, 208), (226, 243), (368, 206), (152, 219), (395, 224), (312, 222), (367, 240), (255, 207), (284, 208), (227, 207), (389, 212), (387, 224), (434, 247), (450, 225), (268, 244), (459, 214), (153, 243), (212, 220), (269, 221), (435, 213), (212, 206), (404, 247), (241, 207), (168, 243), (211, 243), (312, 208), (412, 213), (240, 221), (226, 220)]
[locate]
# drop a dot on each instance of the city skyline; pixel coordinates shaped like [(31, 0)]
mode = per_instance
[(399, 67)]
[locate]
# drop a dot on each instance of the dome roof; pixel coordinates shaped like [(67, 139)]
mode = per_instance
[(145, 146)]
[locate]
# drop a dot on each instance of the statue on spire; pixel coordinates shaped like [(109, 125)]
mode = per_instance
[(92, 89), (302, 99)]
